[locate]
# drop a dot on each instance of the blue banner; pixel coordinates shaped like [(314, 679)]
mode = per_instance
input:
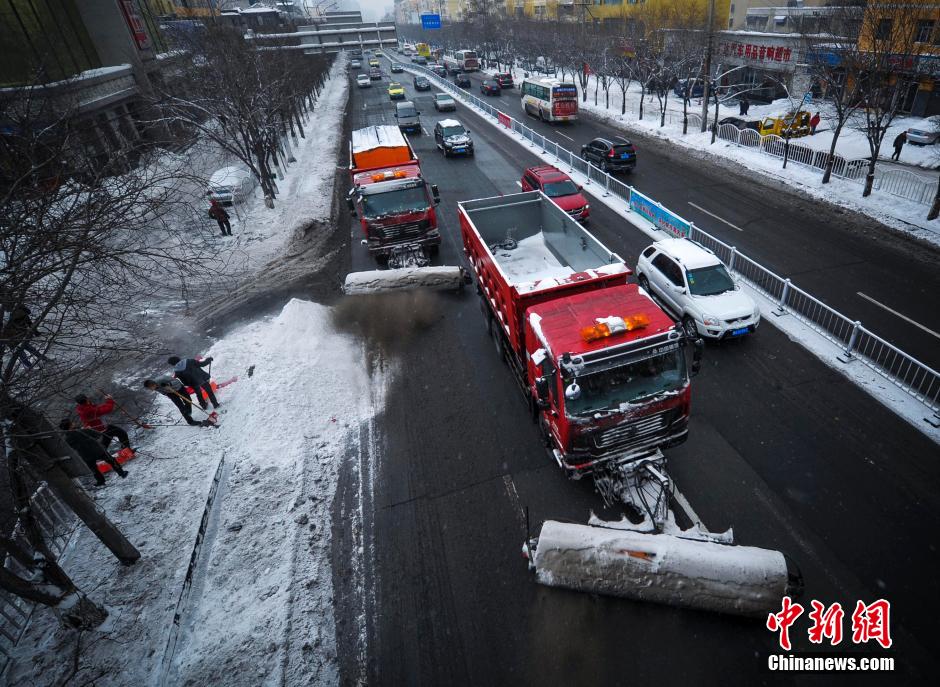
[(660, 217), (430, 21)]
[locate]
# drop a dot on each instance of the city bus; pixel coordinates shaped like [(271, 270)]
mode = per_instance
[(462, 61), (550, 100)]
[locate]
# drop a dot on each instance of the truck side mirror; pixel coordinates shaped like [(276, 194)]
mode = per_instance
[(351, 202), (436, 193), (542, 391)]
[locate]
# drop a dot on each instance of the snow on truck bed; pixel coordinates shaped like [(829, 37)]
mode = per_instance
[(372, 137), (531, 261)]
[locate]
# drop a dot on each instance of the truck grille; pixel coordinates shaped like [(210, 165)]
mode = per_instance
[(633, 434), (402, 232)]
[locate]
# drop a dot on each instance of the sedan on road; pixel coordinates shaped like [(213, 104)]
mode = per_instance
[(396, 91), (375, 74), (397, 68), (462, 80), (438, 69), (692, 283), (355, 64), (490, 88), (443, 102), (504, 80), (421, 83), (363, 81), (559, 187), (609, 155)]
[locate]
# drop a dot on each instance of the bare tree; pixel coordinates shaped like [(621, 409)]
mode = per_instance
[(888, 55), (84, 234)]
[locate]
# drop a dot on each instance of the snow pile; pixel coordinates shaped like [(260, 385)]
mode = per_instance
[(259, 611), (531, 261), (662, 568), (379, 136)]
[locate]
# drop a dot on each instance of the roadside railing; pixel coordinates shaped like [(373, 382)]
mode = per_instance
[(854, 341), (56, 523)]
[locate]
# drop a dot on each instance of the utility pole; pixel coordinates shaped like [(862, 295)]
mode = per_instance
[(706, 93)]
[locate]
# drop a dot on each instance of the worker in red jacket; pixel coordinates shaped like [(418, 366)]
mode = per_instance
[(91, 414)]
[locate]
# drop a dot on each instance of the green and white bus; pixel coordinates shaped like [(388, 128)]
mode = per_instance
[(550, 100)]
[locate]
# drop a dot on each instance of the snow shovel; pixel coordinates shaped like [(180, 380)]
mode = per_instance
[(212, 417), (136, 420), (663, 568)]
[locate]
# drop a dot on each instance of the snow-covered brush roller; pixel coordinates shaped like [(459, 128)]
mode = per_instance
[(396, 208), (663, 568)]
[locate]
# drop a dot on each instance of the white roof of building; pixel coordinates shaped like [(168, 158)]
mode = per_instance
[(690, 254), (382, 136)]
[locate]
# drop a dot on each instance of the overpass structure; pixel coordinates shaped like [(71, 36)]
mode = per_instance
[(332, 37)]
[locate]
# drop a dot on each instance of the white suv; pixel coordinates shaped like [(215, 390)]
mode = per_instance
[(691, 282)]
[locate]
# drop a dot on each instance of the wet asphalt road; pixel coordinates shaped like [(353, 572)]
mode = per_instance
[(782, 449)]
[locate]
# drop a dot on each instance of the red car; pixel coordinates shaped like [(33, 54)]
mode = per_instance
[(490, 88), (504, 80), (559, 187)]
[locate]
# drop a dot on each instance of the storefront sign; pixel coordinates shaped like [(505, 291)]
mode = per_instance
[(758, 53)]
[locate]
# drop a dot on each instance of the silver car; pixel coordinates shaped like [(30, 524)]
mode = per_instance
[(923, 137)]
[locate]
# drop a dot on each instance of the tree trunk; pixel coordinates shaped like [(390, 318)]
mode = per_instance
[(685, 116), (870, 177), (935, 207), (786, 149), (830, 161), (642, 100)]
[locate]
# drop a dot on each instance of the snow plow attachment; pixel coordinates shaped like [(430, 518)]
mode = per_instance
[(442, 278), (662, 568)]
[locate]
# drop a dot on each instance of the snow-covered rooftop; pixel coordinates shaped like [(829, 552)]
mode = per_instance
[(688, 253), (380, 136)]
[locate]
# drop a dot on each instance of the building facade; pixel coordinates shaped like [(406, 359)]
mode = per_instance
[(100, 58)]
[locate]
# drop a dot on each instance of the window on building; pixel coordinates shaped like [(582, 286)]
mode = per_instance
[(925, 30), (43, 40), (884, 29)]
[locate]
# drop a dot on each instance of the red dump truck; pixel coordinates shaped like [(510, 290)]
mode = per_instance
[(394, 203), (603, 368)]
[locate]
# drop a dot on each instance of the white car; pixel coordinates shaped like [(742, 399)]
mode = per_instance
[(363, 81), (230, 185), (355, 64), (692, 283), (923, 136)]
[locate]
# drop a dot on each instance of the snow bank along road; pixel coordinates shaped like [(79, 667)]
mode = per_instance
[(791, 454), (838, 256)]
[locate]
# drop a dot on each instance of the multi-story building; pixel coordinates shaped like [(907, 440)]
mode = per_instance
[(745, 14), (101, 58)]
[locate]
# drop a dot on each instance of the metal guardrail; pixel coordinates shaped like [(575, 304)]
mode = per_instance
[(855, 341), (56, 522)]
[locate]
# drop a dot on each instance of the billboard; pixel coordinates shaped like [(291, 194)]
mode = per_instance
[(430, 21), (660, 217)]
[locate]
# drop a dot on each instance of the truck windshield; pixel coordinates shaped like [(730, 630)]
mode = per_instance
[(709, 281), (394, 202), (609, 389), (560, 188)]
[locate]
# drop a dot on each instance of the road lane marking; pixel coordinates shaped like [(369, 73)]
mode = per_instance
[(518, 183), (565, 135), (712, 214), (425, 131), (895, 312)]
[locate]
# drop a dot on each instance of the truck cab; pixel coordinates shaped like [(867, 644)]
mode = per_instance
[(394, 203), (609, 374)]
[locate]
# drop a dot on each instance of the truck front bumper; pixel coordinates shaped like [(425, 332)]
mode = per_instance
[(387, 246)]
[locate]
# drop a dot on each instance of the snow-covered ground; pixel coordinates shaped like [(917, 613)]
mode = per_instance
[(897, 212), (259, 608), (259, 611)]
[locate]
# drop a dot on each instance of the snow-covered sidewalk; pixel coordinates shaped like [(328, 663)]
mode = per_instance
[(259, 611)]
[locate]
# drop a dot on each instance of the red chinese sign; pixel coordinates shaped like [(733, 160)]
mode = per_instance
[(759, 53), (870, 622), (136, 24)]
